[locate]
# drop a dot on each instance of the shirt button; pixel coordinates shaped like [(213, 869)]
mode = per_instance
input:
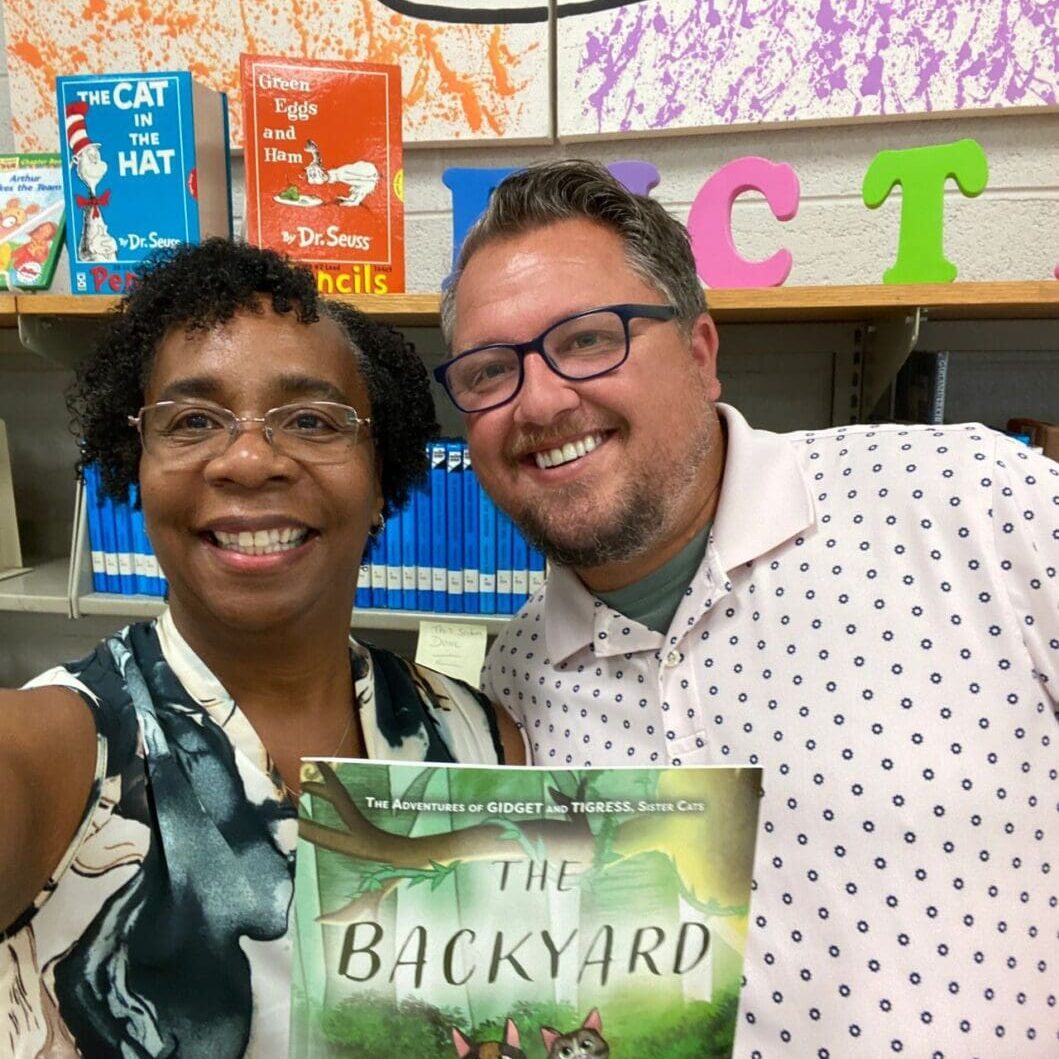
[(674, 658)]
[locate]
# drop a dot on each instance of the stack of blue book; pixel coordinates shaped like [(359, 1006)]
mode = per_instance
[(123, 560), (449, 550)]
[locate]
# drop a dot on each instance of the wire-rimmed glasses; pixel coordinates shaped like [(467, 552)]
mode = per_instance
[(583, 346), (185, 432)]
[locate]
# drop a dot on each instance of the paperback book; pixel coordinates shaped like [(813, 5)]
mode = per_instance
[(324, 171), (465, 912), (147, 161), (31, 219)]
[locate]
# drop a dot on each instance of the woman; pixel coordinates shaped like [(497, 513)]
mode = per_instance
[(147, 836)]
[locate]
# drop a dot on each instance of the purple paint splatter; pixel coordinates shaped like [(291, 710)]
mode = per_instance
[(692, 63)]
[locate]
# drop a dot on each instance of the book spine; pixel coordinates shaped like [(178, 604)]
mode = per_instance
[(438, 552), (362, 598), (96, 544), (392, 538), (936, 410), (408, 553), (471, 489), (454, 529), (519, 570), (486, 553), (123, 534), (378, 571), (141, 574), (504, 547), (424, 567), (537, 565)]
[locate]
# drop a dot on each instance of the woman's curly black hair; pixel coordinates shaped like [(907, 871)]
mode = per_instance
[(198, 287)]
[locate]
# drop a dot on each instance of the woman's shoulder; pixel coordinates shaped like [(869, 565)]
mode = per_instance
[(411, 712)]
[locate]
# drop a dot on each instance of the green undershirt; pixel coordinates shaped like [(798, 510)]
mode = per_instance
[(653, 600)]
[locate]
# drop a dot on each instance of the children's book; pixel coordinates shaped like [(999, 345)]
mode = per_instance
[(146, 158), (529, 913), (31, 219), (324, 170)]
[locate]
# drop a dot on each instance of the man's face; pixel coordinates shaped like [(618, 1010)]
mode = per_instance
[(644, 460)]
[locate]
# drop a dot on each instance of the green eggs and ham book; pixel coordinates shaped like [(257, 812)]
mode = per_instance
[(522, 913)]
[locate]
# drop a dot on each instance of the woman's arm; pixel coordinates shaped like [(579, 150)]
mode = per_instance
[(47, 763)]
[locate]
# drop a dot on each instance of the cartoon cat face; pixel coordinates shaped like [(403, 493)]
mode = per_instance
[(584, 1043), (509, 1048)]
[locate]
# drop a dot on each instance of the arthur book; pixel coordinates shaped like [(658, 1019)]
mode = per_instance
[(31, 219), (147, 161), (529, 913), (324, 171)]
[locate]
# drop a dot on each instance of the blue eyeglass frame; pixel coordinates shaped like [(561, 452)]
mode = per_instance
[(625, 312)]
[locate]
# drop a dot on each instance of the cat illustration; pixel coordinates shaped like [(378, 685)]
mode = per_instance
[(584, 1043), (509, 1048)]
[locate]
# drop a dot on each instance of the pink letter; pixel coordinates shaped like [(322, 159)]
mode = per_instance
[(710, 222)]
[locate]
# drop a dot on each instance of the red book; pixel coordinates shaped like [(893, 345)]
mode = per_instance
[(324, 171)]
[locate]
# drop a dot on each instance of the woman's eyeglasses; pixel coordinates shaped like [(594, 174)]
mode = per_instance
[(180, 432)]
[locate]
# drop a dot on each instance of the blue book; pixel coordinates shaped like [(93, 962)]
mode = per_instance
[(454, 526), (438, 522), (505, 533), (392, 540), (424, 566), (147, 161), (537, 565), (362, 599), (377, 575), (408, 553), (519, 570), (123, 530), (142, 585), (94, 510), (471, 489), (486, 553)]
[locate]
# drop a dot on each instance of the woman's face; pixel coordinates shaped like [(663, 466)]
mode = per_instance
[(316, 516)]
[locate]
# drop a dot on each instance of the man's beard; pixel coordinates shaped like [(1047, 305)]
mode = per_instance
[(645, 513)]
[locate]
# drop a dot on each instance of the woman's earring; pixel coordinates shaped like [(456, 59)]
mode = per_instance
[(377, 527)]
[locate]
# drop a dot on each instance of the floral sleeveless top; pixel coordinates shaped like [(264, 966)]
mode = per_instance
[(164, 930)]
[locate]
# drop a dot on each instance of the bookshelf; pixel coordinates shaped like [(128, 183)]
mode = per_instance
[(58, 328), (1002, 300)]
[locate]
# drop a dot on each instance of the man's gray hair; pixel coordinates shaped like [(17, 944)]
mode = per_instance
[(656, 244)]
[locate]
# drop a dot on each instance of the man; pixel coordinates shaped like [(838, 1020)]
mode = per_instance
[(871, 614)]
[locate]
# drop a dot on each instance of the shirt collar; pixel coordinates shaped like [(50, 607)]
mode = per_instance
[(764, 501)]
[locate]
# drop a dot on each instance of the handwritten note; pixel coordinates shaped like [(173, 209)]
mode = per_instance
[(454, 648)]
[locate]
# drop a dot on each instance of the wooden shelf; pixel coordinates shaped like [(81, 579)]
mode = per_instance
[(8, 309), (1002, 300)]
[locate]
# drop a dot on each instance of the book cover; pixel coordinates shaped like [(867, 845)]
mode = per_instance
[(31, 219), (446, 910), (324, 170), (147, 161)]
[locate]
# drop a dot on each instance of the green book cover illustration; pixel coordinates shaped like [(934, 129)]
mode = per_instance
[(31, 219), (529, 913)]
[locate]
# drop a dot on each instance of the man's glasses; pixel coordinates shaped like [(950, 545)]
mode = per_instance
[(578, 347), (185, 433)]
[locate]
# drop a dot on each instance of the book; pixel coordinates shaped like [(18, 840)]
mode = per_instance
[(324, 169), (438, 526), (454, 525), (147, 158), (31, 219), (919, 389), (441, 907)]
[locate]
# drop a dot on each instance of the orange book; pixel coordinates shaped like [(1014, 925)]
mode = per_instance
[(324, 171)]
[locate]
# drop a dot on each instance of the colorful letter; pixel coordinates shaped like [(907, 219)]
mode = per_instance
[(922, 172), (471, 189), (710, 222)]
